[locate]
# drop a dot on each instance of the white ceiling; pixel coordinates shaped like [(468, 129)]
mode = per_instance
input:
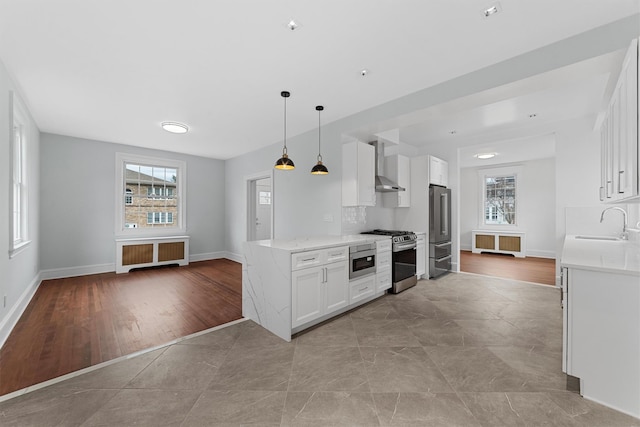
[(113, 70)]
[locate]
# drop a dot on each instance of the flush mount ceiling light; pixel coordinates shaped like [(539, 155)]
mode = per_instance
[(495, 8), (284, 162), (485, 156), (175, 127), (319, 168)]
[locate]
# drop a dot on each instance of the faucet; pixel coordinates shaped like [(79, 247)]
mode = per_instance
[(624, 235)]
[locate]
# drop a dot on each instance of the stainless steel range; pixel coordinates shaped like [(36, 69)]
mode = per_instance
[(403, 266)]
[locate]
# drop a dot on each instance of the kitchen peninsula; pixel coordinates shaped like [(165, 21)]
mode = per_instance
[(290, 285)]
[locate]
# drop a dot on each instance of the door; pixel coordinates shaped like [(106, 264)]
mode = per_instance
[(259, 197), (263, 209)]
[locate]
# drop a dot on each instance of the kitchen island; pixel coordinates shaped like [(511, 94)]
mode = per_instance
[(601, 319), (290, 285)]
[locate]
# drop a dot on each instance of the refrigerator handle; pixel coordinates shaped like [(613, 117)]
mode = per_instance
[(444, 214)]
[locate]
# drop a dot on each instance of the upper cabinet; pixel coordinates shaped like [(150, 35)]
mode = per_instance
[(620, 155), (398, 168), (438, 171), (358, 174)]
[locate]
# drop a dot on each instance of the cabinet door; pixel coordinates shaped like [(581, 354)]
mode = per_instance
[(404, 180), (336, 286), (366, 175), (421, 260), (306, 295), (628, 95)]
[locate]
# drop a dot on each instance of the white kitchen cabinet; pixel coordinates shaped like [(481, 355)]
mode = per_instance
[(398, 168), (438, 171), (601, 336), (358, 174), (383, 265), (321, 289), (421, 254), (362, 288), (620, 153)]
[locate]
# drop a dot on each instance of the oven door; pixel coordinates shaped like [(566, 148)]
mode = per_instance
[(362, 263), (404, 261)]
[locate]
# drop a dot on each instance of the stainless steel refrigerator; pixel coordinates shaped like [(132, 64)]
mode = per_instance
[(439, 230)]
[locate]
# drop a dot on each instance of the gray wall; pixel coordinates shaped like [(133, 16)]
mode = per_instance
[(78, 203), (18, 275)]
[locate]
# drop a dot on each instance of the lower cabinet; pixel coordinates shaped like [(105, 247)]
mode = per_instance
[(421, 255), (317, 291), (601, 336), (362, 288)]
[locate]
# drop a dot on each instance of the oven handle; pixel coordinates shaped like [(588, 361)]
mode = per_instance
[(443, 258), (405, 246)]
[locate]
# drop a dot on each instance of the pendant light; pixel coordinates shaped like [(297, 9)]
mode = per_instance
[(319, 168), (284, 162)]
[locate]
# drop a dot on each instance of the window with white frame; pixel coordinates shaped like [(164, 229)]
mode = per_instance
[(18, 167), (499, 198), (159, 218), (264, 197), (150, 195)]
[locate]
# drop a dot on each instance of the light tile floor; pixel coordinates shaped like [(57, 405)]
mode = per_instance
[(463, 350)]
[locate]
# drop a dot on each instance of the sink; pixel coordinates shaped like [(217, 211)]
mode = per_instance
[(604, 238)]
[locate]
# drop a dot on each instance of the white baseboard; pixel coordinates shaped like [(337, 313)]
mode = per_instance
[(234, 257), (206, 256), (465, 248), (541, 254), (60, 273), (9, 322)]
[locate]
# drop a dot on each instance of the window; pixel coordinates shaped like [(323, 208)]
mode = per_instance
[(150, 199), (18, 167), (499, 196), (159, 218), (264, 197)]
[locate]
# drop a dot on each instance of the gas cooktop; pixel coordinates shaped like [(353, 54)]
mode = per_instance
[(398, 235)]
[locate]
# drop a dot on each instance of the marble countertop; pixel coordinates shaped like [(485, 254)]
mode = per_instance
[(308, 243), (613, 256)]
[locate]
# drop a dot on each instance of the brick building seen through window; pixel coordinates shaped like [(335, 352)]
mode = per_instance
[(151, 197)]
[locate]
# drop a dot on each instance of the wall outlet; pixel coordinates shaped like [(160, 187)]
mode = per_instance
[(328, 218)]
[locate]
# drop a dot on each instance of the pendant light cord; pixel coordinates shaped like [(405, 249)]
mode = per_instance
[(284, 151), (319, 155)]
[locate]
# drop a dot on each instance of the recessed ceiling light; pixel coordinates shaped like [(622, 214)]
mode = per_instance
[(364, 72), (533, 115), (485, 156), (175, 127), (491, 10), (292, 25), (453, 132)]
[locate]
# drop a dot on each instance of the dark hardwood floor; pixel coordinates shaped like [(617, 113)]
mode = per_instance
[(78, 322), (529, 269)]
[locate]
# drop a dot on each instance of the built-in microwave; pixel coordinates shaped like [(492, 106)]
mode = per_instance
[(362, 260)]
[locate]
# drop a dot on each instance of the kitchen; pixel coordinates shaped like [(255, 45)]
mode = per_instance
[(303, 204)]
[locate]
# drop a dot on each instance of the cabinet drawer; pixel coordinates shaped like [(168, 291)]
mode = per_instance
[(306, 259), (362, 288), (383, 245), (383, 261), (383, 280), (337, 254)]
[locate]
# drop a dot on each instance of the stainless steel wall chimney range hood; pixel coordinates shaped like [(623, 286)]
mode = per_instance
[(383, 184)]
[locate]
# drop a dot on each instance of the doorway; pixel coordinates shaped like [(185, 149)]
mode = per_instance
[(260, 207)]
